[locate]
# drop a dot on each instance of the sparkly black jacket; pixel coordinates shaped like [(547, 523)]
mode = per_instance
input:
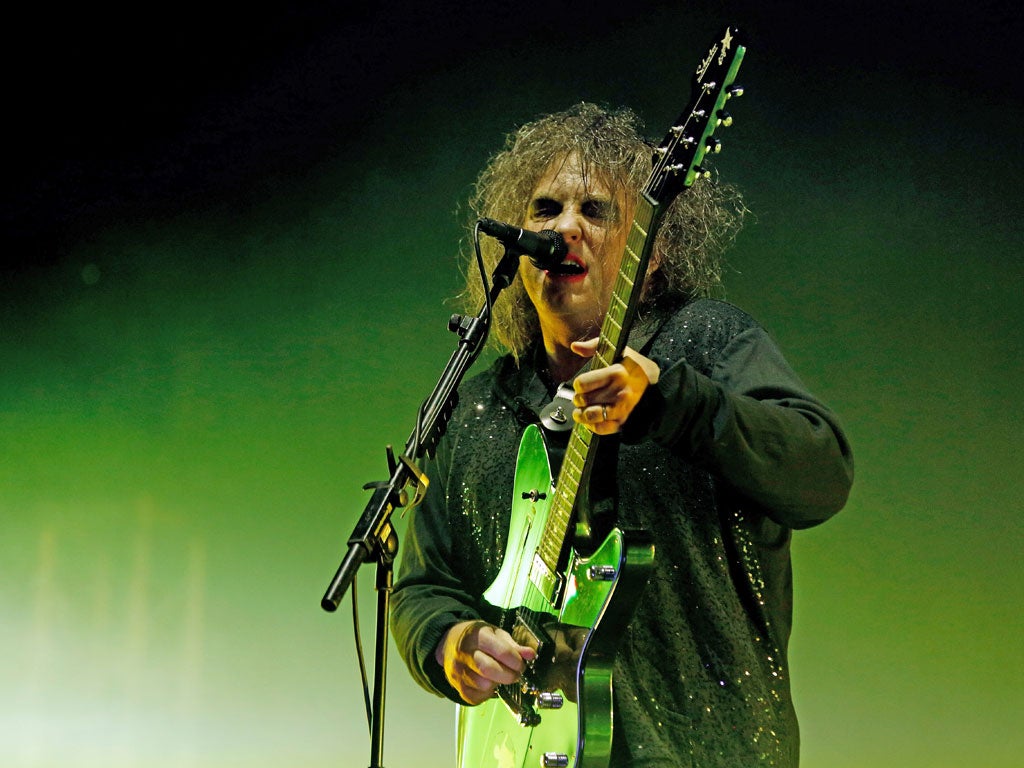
[(719, 462)]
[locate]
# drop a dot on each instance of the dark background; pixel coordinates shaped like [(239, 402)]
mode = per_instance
[(124, 111)]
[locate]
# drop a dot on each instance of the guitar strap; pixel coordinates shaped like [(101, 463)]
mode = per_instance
[(556, 416)]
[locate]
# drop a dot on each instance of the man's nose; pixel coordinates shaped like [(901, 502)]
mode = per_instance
[(568, 226)]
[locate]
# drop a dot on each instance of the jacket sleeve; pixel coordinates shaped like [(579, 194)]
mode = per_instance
[(752, 423), (429, 594)]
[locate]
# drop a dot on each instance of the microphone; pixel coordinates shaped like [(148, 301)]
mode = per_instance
[(546, 248)]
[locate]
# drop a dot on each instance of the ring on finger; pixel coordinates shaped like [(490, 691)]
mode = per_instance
[(604, 413)]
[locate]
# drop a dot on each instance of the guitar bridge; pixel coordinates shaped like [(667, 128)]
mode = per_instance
[(520, 703)]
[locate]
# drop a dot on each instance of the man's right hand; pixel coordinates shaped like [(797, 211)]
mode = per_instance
[(477, 657)]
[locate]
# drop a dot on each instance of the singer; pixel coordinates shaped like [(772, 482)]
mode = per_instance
[(712, 446)]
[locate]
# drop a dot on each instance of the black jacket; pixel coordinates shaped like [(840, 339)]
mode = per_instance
[(719, 462)]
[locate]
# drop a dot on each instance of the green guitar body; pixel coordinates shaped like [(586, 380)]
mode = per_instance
[(582, 625)]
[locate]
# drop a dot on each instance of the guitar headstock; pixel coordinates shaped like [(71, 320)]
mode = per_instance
[(678, 159)]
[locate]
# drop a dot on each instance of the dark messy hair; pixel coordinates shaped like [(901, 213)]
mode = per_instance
[(610, 147)]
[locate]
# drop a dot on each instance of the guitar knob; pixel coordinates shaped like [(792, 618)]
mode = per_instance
[(734, 90), (701, 172), (549, 700), (602, 573), (724, 118), (714, 145), (555, 760)]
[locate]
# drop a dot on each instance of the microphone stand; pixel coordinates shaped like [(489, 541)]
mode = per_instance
[(374, 537)]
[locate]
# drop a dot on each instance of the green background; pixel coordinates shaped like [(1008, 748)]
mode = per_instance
[(226, 290)]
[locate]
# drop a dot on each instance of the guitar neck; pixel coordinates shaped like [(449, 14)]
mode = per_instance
[(628, 287)]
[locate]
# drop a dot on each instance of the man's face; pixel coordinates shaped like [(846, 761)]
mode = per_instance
[(580, 208)]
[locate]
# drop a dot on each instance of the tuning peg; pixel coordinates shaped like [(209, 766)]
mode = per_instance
[(724, 118), (701, 172), (714, 145), (734, 90)]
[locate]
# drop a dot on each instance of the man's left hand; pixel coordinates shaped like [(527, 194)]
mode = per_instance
[(606, 396)]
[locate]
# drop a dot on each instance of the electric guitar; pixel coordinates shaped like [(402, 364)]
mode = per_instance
[(573, 608)]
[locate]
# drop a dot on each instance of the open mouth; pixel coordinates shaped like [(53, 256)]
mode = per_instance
[(571, 266)]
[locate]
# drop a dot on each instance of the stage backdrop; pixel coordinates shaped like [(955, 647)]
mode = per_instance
[(231, 249)]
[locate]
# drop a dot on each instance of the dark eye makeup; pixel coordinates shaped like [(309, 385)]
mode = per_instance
[(593, 208)]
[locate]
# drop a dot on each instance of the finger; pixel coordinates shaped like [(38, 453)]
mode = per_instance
[(602, 398), (476, 676), (474, 689), (495, 670), (502, 647), (600, 378), (650, 369), (474, 696), (592, 414), (605, 427), (633, 370), (492, 674), (475, 681), (620, 390), (587, 348), (593, 417)]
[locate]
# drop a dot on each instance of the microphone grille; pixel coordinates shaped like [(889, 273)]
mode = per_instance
[(558, 247)]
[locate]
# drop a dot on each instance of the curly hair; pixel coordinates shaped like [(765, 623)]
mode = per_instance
[(694, 231)]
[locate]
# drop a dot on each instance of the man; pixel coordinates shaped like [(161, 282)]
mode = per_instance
[(719, 453)]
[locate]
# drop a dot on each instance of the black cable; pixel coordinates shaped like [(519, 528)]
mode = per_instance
[(359, 654)]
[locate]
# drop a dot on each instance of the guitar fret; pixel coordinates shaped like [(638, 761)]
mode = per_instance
[(571, 458)]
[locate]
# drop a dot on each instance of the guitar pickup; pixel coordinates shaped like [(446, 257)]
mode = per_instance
[(602, 572), (545, 580)]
